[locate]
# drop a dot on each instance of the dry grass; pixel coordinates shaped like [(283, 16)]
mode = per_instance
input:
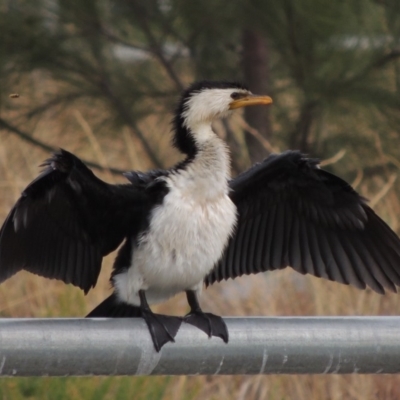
[(281, 293)]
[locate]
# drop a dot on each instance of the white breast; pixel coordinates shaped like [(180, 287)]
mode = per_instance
[(187, 235), (184, 241)]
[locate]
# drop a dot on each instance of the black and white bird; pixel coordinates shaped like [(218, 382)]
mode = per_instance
[(192, 224)]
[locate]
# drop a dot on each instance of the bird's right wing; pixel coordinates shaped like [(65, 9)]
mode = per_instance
[(292, 213), (66, 221)]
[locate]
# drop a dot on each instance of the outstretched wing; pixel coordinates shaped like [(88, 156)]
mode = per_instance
[(66, 221), (291, 213)]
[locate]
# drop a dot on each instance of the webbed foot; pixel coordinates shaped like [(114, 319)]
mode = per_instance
[(211, 324), (162, 328)]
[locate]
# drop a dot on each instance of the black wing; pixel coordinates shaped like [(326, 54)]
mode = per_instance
[(291, 213), (66, 221)]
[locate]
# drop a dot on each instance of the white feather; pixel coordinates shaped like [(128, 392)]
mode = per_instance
[(188, 232), (206, 106)]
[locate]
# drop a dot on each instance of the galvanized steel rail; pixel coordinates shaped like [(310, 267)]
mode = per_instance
[(301, 345)]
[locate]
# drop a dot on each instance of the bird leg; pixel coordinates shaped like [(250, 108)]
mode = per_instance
[(162, 328), (211, 324)]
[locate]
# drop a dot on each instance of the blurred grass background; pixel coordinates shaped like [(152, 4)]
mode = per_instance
[(100, 78)]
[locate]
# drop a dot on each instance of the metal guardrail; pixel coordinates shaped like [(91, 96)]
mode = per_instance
[(301, 345)]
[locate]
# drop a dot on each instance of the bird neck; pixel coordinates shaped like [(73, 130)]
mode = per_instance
[(207, 173)]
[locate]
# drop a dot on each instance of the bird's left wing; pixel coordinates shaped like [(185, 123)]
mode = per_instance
[(66, 221), (292, 213)]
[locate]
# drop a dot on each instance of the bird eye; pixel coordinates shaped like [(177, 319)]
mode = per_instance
[(236, 95)]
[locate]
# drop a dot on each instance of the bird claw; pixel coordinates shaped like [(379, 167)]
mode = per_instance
[(211, 324), (162, 328)]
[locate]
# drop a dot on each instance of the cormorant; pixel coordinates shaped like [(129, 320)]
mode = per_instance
[(192, 224)]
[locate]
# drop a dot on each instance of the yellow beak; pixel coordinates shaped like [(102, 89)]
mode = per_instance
[(251, 100)]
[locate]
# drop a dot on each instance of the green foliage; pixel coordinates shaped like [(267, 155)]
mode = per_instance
[(328, 63), (134, 57)]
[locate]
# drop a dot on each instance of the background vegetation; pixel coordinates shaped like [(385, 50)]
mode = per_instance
[(100, 78)]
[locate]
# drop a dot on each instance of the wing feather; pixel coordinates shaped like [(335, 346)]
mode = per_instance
[(318, 264), (294, 251), (66, 221), (264, 239), (254, 232), (278, 236), (292, 213)]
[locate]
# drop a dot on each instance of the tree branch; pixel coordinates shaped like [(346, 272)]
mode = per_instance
[(4, 125), (299, 138), (120, 107), (155, 47), (53, 103), (116, 39), (391, 56)]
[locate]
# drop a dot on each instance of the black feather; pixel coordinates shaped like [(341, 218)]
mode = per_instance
[(67, 220), (111, 307), (295, 213)]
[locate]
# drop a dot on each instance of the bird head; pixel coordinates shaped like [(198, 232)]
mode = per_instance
[(206, 101)]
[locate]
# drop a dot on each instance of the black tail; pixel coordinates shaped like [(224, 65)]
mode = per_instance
[(112, 307)]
